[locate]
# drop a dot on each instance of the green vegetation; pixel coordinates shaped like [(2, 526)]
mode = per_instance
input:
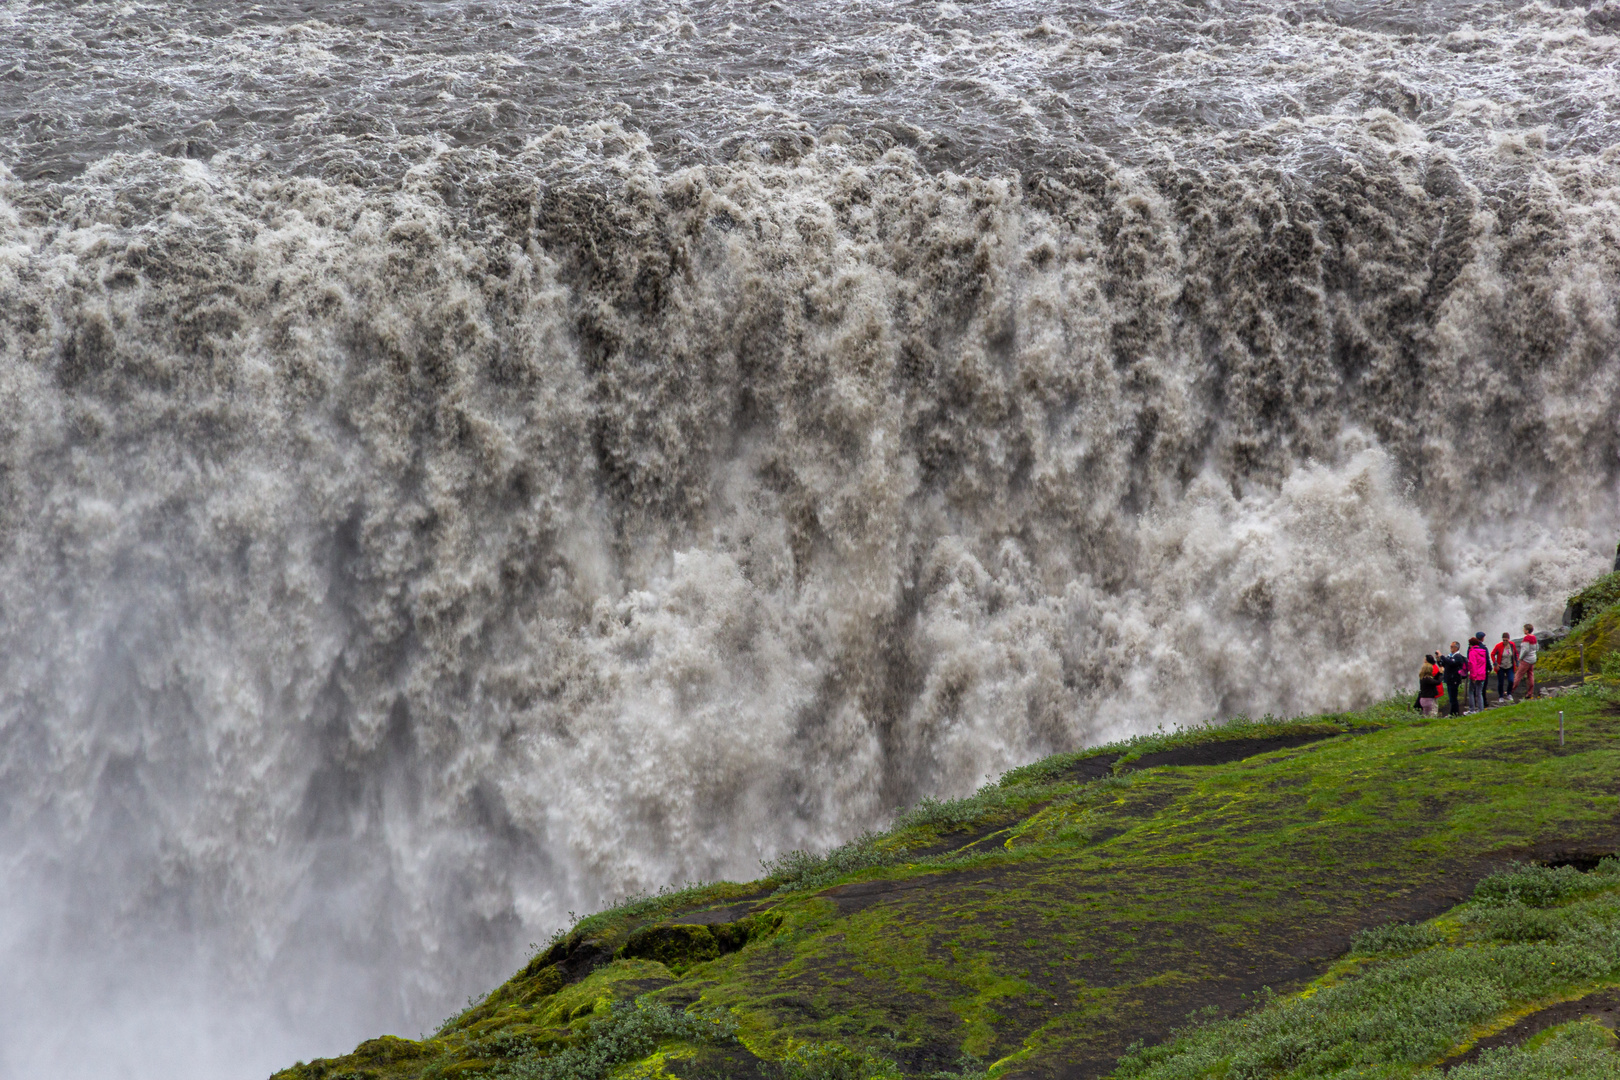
[(628, 1032), (1597, 628), (1602, 593), (1578, 1051), (1408, 996), (1302, 899)]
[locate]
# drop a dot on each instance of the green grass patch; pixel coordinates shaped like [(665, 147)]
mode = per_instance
[(1050, 921), (644, 907), (1006, 800), (1411, 995)]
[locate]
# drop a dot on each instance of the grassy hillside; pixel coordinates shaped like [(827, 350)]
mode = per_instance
[(1095, 902), (1597, 628), (1410, 996)]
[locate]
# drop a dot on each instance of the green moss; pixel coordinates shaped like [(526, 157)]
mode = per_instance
[(1049, 921), (1596, 611), (634, 910), (1598, 633), (680, 947), (1602, 593)]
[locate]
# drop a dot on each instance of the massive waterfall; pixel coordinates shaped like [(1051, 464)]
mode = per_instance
[(461, 463)]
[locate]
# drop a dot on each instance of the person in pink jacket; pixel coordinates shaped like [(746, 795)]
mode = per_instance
[(1479, 671)]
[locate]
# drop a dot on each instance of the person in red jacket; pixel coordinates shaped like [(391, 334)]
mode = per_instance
[(1506, 657)]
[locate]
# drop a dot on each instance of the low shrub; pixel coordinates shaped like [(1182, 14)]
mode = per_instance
[(968, 1067), (828, 1061), (1542, 886), (1578, 1051), (1515, 923), (1395, 938), (628, 1033), (796, 870), (952, 814), (1421, 992)]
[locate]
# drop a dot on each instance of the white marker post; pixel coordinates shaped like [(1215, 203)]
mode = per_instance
[(1560, 727)]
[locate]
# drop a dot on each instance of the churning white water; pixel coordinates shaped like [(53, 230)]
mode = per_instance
[(463, 462)]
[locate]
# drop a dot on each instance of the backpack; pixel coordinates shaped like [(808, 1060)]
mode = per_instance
[(1479, 662)]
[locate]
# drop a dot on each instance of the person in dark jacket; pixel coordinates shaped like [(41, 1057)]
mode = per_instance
[(1453, 665)]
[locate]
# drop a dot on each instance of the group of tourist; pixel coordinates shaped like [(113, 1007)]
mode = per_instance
[(1513, 660)]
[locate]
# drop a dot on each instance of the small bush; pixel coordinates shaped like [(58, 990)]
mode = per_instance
[(1515, 922), (968, 1067), (796, 870), (1543, 886), (628, 1033), (827, 1061), (1593, 690), (955, 813), (1395, 938)]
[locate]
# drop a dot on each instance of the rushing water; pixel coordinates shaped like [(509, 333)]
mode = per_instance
[(462, 462)]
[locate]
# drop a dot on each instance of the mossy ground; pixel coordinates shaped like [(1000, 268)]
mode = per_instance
[(1596, 632), (1051, 921)]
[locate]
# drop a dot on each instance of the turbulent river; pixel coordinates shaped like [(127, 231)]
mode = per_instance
[(463, 462)]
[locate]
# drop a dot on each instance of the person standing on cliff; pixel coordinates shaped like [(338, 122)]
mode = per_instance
[(1506, 657), (1479, 672), (1428, 688), (1524, 676), (1453, 664)]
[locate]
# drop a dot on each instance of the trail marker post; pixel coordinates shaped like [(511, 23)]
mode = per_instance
[(1560, 727)]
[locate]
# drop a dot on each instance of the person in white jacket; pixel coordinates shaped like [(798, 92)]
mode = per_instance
[(1524, 676)]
